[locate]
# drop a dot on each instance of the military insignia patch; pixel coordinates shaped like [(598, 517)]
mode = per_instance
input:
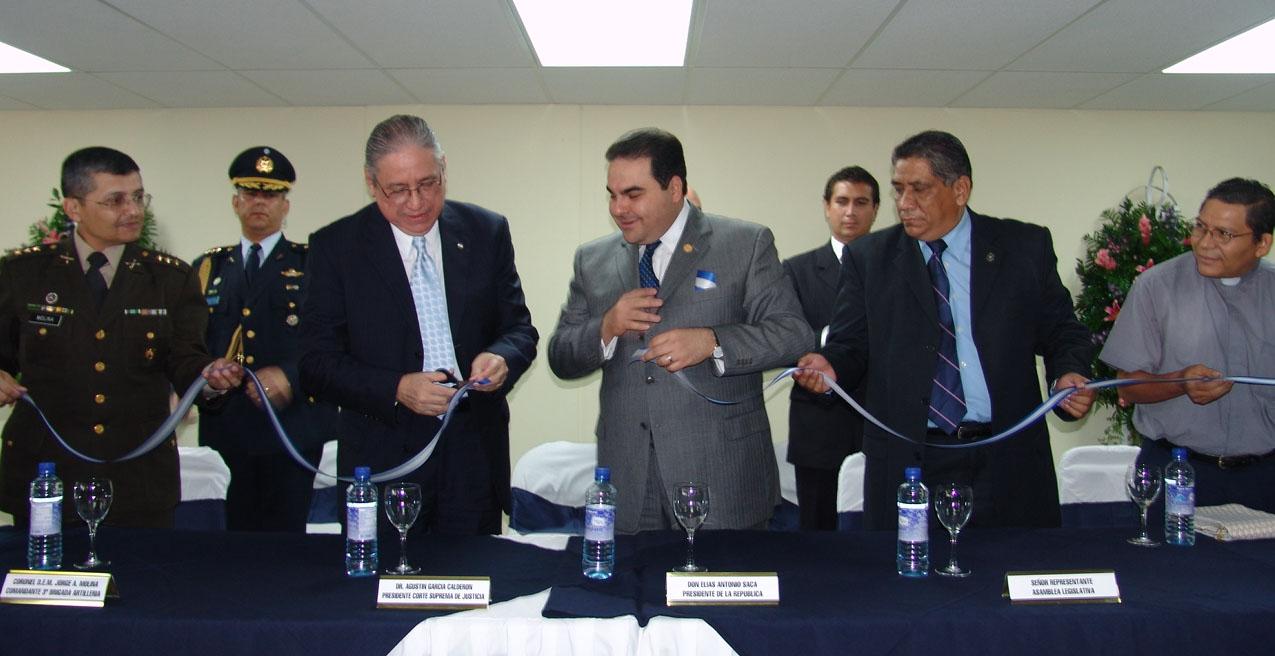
[(265, 164), (51, 298)]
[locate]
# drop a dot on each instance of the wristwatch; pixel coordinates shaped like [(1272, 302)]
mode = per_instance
[(718, 353)]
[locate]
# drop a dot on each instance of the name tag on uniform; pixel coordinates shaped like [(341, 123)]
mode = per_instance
[(42, 319)]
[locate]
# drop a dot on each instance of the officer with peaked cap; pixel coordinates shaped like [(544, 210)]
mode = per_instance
[(254, 290)]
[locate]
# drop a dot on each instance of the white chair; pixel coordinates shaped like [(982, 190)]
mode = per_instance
[(1091, 485), (850, 493), (548, 485), (204, 481), (326, 504)]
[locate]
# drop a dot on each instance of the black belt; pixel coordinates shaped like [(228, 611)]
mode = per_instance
[(1221, 462), (966, 432)]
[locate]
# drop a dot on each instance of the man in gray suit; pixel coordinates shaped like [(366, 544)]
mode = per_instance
[(702, 295)]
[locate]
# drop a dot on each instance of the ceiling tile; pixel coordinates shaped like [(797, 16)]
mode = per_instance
[(891, 88), (758, 86), (472, 86), (940, 34), (332, 88), (69, 91), (86, 35), (1258, 99), (615, 86), (1041, 90), (398, 34), (249, 34), (1138, 36), (1181, 92), (10, 103), (812, 33), (195, 88)]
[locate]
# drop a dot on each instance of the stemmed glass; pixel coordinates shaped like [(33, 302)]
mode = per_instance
[(92, 502), (690, 505), (953, 504), (1142, 481), (402, 505)]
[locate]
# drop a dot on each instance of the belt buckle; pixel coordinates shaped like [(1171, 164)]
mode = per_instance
[(1234, 462)]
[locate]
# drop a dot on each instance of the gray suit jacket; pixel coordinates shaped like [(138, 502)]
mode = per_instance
[(759, 325)]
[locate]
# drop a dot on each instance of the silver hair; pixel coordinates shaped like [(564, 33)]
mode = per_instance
[(395, 132)]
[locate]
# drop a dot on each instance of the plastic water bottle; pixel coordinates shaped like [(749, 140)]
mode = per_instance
[(912, 556), (598, 560), (1179, 500), (360, 525), (44, 542)]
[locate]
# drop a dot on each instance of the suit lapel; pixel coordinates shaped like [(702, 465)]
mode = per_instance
[(268, 271), (985, 263), (910, 266), (73, 283), (828, 268), (127, 273), (452, 235), (693, 246), (382, 254), (626, 265)]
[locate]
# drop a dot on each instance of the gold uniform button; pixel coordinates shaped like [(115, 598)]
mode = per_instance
[(99, 399), (99, 429), (292, 304), (248, 359), (100, 335), (247, 312), (149, 354), (150, 335), (43, 331), (99, 366), (250, 334)]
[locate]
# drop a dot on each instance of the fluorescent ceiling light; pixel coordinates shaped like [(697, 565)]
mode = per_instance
[(13, 60), (607, 32), (1250, 52)]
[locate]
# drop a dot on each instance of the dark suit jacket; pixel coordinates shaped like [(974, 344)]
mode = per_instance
[(359, 336), (103, 376), (822, 429), (886, 328), (269, 338)]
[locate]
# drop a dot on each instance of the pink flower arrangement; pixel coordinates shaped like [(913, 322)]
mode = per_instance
[(1143, 267), (1113, 311), (1144, 227), (52, 237), (1103, 259)]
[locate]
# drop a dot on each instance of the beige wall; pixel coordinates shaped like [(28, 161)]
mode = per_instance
[(542, 166)]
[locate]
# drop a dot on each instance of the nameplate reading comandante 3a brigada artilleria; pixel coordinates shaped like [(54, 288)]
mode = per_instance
[(54, 588), (1062, 587)]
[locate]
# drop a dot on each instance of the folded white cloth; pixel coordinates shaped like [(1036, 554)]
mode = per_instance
[(1233, 521)]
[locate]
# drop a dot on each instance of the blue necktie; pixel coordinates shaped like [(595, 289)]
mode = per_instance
[(253, 265), (646, 268), (95, 279), (947, 397), (431, 311)]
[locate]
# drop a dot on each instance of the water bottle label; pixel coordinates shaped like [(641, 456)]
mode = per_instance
[(46, 516), (599, 522), (914, 522), (360, 521), (1179, 499)]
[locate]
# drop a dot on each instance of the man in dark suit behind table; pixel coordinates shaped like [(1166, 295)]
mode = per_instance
[(382, 334), (254, 291), (944, 315), (823, 429)]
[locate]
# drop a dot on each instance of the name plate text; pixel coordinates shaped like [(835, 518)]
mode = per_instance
[(52, 588), (721, 589), (1097, 587), (434, 593)]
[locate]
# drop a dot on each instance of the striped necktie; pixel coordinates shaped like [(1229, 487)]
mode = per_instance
[(947, 397), (646, 266)]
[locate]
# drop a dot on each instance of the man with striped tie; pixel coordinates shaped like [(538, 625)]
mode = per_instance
[(943, 316)]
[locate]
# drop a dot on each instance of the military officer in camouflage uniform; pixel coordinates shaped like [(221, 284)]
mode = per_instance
[(100, 332), (253, 290)]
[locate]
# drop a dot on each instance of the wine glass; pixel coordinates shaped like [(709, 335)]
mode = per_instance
[(402, 505), (953, 504), (92, 502), (1142, 481), (690, 505)]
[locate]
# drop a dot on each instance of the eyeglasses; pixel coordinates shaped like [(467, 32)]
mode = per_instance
[(260, 194), (116, 202), (400, 194), (1222, 237)]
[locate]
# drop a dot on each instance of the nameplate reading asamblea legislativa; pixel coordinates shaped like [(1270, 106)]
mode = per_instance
[(88, 589), (721, 589), (433, 593), (1062, 587)]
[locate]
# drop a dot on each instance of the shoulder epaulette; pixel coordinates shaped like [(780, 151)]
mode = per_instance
[(218, 250), (33, 250), (165, 258)]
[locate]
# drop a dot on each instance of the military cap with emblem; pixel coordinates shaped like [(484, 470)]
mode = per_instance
[(264, 168)]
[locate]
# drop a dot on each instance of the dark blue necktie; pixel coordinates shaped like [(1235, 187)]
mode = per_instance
[(947, 398), (646, 268), (95, 279), (254, 263)]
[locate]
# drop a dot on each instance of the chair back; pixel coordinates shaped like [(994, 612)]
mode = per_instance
[(548, 485), (850, 493), (1091, 486)]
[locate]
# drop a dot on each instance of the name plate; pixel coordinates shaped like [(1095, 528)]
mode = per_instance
[(53, 588), (721, 589), (1062, 587), (433, 592)]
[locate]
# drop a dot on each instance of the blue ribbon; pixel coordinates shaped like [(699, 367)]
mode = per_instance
[(196, 387), (1035, 415)]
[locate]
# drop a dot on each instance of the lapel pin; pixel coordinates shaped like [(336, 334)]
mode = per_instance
[(132, 264), (217, 280), (687, 248), (991, 257), (66, 259), (460, 246), (51, 298)]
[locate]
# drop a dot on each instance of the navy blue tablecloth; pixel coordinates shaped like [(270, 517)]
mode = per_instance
[(840, 594), (197, 592)]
